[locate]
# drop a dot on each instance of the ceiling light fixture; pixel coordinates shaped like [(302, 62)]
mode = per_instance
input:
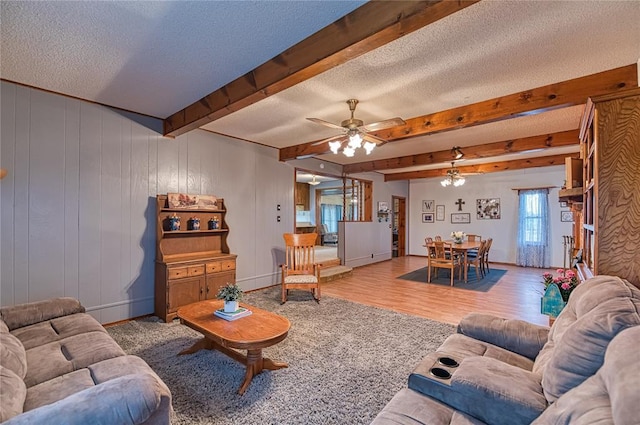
[(456, 153), (313, 181), (355, 141), (453, 177)]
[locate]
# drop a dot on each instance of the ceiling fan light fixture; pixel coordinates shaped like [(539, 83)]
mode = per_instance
[(453, 177), (368, 147), (456, 152), (335, 146), (459, 181), (355, 140), (349, 151), (313, 181)]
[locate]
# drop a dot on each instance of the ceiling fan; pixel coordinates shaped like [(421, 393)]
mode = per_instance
[(454, 177), (355, 132)]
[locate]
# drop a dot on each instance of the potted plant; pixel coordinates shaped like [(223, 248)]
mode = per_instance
[(231, 294), (557, 291)]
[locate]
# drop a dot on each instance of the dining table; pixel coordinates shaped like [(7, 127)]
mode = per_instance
[(463, 247)]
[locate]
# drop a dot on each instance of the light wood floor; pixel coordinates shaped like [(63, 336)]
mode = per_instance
[(515, 296)]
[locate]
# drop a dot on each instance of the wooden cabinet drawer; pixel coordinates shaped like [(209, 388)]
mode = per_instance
[(214, 267), (229, 265), (196, 270), (178, 272)]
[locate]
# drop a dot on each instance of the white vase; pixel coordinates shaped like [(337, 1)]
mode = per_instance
[(230, 306)]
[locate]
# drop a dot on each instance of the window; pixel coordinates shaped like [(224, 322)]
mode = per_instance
[(533, 228)]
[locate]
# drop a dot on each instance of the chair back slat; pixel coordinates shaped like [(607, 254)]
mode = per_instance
[(300, 252)]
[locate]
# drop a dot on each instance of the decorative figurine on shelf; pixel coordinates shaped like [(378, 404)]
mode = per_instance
[(213, 223), (174, 222), (195, 223)]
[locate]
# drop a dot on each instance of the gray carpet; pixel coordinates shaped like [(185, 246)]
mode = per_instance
[(346, 361), (484, 284)]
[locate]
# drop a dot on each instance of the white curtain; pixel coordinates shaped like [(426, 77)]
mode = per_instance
[(533, 228)]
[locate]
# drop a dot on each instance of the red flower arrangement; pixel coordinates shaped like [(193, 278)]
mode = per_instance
[(566, 281)]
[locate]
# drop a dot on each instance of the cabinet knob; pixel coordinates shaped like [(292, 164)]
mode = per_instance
[(207, 289)]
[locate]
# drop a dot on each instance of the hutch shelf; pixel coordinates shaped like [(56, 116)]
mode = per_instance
[(191, 265)]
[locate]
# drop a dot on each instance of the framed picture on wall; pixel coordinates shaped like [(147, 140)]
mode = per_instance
[(457, 218), (383, 206), (427, 217), (440, 212), (566, 216), (428, 206), (488, 209)]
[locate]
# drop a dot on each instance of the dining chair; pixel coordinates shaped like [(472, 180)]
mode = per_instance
[(438, 238), (486, 254), (300, 270), (478, 260), (444, 258), (473, 238), (427, 243)]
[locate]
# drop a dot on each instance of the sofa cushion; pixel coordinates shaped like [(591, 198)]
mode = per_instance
[(56, 329), (128, 400), (21, 315), (611, 396), (598, 310), (12, 394), (12, 354), (3, 326), (462, 346), (412, 408), (66, 355), (58, 388)]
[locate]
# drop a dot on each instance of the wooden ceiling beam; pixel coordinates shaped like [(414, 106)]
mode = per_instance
[(493, 167), (528, 102), (370, 26), (544, 141)]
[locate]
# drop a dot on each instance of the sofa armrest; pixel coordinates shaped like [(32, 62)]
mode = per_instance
[(21, 315), (518, 336), (490, 390), (130, 399)]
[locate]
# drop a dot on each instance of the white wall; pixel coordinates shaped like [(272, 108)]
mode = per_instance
[(493, 185), (78, 203), (370, 242)]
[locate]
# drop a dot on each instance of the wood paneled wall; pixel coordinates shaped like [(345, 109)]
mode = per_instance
[(77, 206)]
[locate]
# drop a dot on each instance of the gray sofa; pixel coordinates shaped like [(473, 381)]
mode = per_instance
[(58, 365), (585, 369)]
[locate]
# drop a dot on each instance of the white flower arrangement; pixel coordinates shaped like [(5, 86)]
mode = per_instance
[(458, 235)]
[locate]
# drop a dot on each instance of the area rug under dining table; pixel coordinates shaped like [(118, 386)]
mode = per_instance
[(483, 284), (346, 361)]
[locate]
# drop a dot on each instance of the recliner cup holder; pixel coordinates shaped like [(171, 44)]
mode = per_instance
[(438, 372), (447, 361)]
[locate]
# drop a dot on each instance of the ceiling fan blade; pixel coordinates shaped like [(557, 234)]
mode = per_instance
[(381, 125), (326, 123), (374, 139), (329, 139)]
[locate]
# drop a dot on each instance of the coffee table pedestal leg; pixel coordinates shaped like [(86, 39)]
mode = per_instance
[(254, 361)]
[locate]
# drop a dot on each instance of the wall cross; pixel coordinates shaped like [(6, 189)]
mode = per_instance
[(460, 203)]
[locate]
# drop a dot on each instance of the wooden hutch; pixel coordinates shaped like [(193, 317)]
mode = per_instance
[(609, 200), (191, 265)]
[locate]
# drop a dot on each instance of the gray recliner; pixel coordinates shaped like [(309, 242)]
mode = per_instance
[(497, 371)]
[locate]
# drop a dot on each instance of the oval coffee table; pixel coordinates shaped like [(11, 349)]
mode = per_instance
[(252, 333)]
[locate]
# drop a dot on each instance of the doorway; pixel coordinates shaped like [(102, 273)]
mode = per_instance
[(399, 228)]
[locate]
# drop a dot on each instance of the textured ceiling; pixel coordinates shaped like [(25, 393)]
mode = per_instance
[(151, 57), (156, 58)]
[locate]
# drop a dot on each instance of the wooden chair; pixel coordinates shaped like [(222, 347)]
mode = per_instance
[(478, 260), (438, 238), (300, 270), (430, 250), (445, 258), (473, 238), (485, 258)]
